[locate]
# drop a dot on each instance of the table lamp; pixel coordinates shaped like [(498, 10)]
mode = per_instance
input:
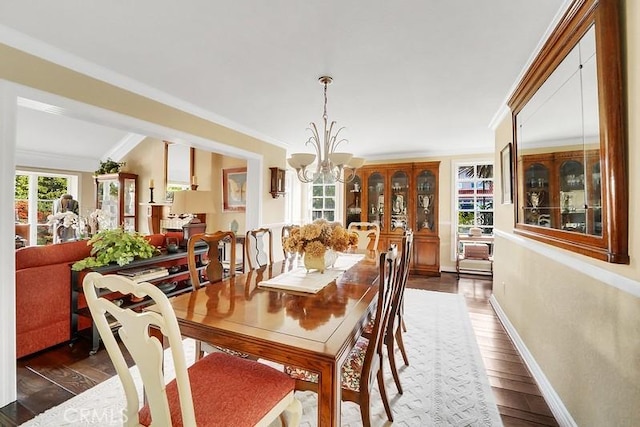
[(192, 202)]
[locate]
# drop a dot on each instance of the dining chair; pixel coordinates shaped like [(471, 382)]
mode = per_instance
[(209, 271), (394, 327), (368, 236), (257, 255), (212, 269), (219, 389), (364, 362)]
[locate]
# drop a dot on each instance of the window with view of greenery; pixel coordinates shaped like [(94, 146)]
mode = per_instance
[(33, 201), (474, 197), (323, 200)]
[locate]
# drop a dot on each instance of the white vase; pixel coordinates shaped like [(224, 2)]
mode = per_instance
[(320, 263)]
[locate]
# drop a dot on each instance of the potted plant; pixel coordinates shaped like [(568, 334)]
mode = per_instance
[(109, 166), (115, 246)]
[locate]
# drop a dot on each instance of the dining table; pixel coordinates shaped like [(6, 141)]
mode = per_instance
[(311, 330)]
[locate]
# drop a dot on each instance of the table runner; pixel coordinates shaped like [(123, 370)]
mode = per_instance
[(300, 280)]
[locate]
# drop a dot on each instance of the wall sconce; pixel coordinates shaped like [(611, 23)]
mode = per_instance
[(277, 182)]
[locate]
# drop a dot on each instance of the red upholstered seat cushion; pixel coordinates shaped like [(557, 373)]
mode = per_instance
[(228, 391)]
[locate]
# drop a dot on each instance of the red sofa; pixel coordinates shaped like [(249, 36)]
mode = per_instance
[(43, 293)]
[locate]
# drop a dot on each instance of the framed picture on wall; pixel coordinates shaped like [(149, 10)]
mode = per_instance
[(234, 189), (506, 169)]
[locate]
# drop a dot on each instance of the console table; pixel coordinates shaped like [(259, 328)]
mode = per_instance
[(179, 273)]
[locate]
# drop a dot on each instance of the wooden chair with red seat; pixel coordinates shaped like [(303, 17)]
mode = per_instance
[(219, 389), (257, 255), (364, 362), (214, 270)]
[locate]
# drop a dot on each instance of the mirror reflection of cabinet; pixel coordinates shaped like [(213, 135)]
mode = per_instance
[(117, 195), (570, 140), (557, 195)]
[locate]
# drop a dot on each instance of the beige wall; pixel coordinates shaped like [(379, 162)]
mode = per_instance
[(582, 332)]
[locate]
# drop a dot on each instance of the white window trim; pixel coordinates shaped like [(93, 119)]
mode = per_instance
[(454, 194)]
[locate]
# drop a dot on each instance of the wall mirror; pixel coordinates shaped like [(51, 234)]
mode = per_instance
[(179, 161), (570, 142)]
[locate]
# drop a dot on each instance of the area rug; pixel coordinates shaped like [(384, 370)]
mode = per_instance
[(444, 385)]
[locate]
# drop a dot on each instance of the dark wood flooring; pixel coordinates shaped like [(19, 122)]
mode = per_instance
[(51, 377)]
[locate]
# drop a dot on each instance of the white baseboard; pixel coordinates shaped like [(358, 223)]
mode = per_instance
[(560, 411)]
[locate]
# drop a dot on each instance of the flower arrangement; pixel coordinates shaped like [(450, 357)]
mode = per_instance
[(67, 219), (314, 239), (117, 246)]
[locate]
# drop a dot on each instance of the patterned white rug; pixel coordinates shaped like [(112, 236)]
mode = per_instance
[(444, 385)]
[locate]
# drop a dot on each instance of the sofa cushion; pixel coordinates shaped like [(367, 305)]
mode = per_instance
[(35, 256)]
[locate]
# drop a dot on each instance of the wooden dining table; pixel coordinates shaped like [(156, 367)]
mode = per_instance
[(311, 331)]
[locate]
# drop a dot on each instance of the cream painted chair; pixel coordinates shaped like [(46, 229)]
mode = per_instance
[(220, 389), (368, 236)]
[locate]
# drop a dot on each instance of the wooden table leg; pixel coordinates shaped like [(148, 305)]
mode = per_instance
[(329, 395)]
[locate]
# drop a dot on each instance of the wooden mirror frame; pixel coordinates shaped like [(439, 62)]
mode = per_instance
[(612, 245)]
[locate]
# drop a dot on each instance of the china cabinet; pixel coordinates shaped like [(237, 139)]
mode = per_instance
[(396, 197), (117, 194)]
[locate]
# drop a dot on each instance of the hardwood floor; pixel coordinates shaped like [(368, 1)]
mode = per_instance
[(49, 378)]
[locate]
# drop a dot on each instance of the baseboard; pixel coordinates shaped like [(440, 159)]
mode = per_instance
[(556, 405)]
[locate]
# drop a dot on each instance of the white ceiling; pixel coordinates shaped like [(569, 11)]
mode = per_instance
[(416, 77)]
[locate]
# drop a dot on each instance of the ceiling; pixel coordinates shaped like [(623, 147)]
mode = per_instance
[(411, 78)]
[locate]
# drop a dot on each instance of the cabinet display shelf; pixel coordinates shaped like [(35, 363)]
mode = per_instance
[(165, 259)]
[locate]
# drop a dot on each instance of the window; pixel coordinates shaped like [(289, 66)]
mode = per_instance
[(474, 197), (34, 197), (323, 200)]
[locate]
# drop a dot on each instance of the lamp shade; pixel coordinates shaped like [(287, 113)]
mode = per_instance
[(340, 159), (193, 202), (300, 160)]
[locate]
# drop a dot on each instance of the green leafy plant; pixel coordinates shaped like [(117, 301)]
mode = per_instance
[(116, 245), (109, 166)]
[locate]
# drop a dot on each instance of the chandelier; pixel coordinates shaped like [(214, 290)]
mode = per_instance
[(330, 164)]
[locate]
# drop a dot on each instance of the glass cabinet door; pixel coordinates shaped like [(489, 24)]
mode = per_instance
[(375, 199), (116, 197), (108, 193), (129, 211), (353, 200), (426, 201), (537, 209), (399, 200)]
